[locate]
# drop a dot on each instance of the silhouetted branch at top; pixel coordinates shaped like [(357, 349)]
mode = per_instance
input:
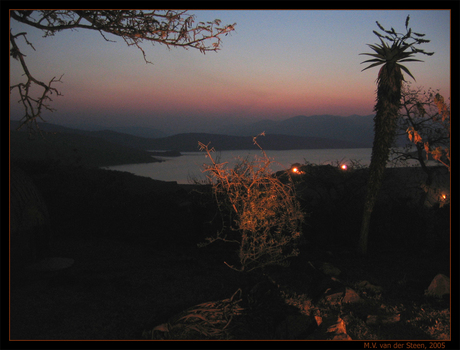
[(32, 106), (173, 28)]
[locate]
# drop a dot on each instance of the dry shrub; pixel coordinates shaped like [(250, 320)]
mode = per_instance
[(260, 213), (210, 320)]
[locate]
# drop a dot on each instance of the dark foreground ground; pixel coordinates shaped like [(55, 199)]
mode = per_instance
[(134, 243)]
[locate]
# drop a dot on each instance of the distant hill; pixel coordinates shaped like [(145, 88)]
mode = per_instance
[(188, 142), (14, 124), (119, 138), (73, 149), (353, 128), (140, 131)]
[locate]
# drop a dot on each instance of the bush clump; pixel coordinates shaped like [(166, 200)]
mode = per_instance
[(259, 212)]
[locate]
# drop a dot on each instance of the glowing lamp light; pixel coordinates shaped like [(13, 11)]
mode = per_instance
[(344, 167), (297, 171), (443, 196)]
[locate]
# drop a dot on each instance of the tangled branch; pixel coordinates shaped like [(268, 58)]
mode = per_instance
[(419, 119), (173, 28), (439, 153), (262, 213)]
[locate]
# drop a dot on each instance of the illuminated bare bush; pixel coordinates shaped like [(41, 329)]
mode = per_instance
[(260, 213), (438, 148)]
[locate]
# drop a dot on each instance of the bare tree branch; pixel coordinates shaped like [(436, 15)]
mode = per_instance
[(173, 28), (32, 106)]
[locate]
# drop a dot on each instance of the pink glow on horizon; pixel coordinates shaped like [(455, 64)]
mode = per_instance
[(237, 105), (238, 100)]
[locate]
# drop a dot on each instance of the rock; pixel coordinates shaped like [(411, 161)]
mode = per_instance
[(337, 330), (330, 328), (369, 287), (333, 297), (330, 269), (382, 319), (350, 296), (338, 327), (342, 336), (343, 295), (439, 286)]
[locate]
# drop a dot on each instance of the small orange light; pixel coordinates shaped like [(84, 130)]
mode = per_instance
[(344, 167), (443, 196)]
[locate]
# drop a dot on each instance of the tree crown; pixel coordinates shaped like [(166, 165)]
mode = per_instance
[(394, 48)]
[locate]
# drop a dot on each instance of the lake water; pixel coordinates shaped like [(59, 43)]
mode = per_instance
[(190, 164)]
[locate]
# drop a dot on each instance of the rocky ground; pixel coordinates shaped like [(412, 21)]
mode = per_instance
[(136, 266)]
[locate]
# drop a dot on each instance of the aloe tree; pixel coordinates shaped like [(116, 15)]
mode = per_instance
[(393, 49)]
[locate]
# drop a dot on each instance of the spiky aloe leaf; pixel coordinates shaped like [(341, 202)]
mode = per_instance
[(378, 56), (376, 48), (407, 71), (373, 65), (380, 26), (374, 60), (411, 60)]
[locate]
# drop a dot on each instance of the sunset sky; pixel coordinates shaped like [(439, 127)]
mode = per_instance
[(276, 65)]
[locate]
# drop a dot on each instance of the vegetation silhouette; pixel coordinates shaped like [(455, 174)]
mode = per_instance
[(389, 84)]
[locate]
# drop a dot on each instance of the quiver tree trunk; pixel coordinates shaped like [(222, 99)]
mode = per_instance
[(29, 221), (393, 49), (388, 103)]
